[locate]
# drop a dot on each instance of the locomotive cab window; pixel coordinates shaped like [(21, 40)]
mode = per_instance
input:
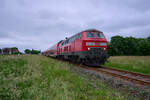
[(100, 35), (90, 34)]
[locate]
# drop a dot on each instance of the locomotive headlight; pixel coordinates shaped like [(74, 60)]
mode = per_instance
[(103, 44), (89, 48), (90, 43)]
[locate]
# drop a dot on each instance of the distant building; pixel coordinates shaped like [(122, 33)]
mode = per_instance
[(7, 51), (14, 50)]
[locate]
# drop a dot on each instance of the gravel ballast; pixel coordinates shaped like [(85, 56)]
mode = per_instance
[(131, 89)]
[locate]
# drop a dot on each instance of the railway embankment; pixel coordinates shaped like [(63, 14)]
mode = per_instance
[(123, 74), (31, 77), (128, 87)]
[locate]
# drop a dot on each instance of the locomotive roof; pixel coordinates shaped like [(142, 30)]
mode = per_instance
[(88, 30), (92, 30)]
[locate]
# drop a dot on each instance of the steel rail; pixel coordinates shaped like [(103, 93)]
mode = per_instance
[(138, 81), (125, 71)]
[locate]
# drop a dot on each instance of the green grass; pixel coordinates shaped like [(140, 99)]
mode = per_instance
[(139, 64), (32, 77)]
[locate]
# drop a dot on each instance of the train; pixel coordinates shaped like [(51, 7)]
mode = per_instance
[(87, 47)]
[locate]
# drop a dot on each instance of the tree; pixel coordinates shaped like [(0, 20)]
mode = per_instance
[(129, 46), (144, 47), (115, 45), (148, 38), (35, 51), (14, 50), (27, 51)]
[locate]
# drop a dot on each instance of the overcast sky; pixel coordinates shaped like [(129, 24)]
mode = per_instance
[(38, 24)]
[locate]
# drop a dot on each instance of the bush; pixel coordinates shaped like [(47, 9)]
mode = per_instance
[(28, 51), (129, 46)]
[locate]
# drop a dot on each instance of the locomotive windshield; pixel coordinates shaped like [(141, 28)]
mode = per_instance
[(100, 35), (90, 34), (93, 35)]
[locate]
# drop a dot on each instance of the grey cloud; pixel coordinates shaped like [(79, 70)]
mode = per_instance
[(40, 24)]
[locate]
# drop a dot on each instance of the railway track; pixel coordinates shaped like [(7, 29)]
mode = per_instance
[(137, 78), (133, 77)]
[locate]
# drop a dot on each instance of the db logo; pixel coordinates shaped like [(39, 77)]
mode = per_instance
[(97, 44)]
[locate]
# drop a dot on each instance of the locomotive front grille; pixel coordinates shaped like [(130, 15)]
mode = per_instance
[(95, 56), (95, 51)]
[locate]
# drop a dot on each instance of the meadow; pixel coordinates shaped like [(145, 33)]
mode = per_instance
[(34, 77), (140, 64)]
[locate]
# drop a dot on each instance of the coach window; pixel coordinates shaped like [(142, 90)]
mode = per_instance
[(90, 34), (67, 41), (76, 37), (73, 38), (100, 35), (80, 35)]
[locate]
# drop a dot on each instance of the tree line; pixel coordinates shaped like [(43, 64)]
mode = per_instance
[(28, 51), (129, 46)]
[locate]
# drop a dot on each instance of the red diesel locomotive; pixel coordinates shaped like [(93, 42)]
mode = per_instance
[(87, 47)]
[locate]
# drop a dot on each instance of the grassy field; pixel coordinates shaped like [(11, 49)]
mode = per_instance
[(32, 77), (139, 64)]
